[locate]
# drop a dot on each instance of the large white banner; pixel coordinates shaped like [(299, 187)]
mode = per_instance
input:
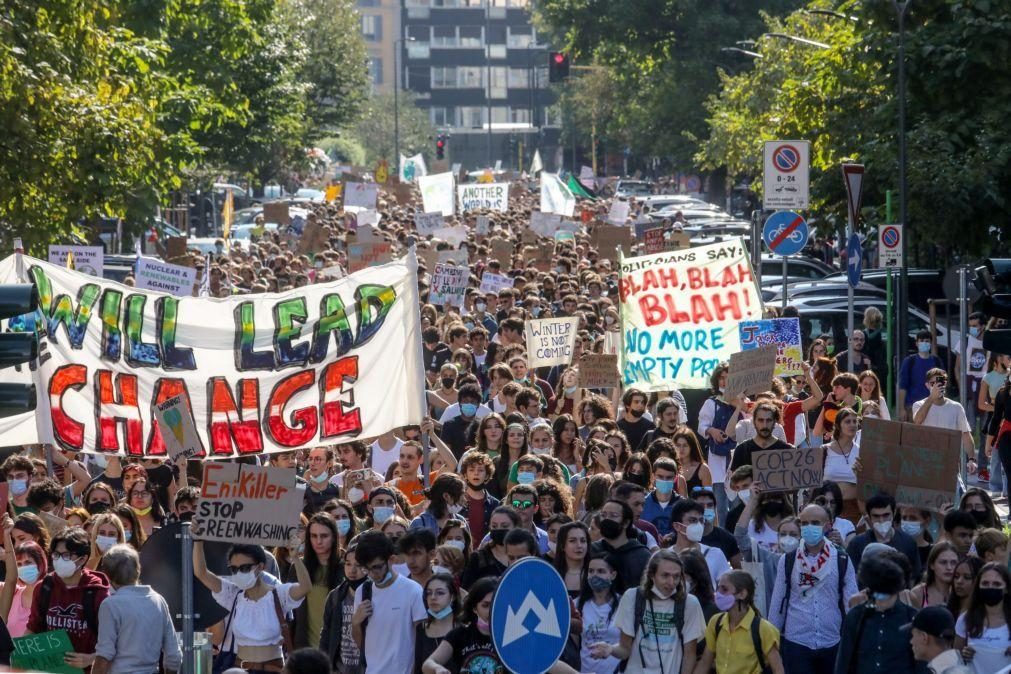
[(681, 313), (437, 193), (261, 373)]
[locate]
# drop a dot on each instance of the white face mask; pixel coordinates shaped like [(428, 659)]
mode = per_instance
[(788, 544), (356, 495), (454, 543), (661, 595), (454, 509), (883, 529), (244, 581), (64, 568), (744, 495), (441, 569), (695, 531), (103, 543)]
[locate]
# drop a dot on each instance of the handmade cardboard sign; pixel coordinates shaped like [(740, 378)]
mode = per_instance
[(492, 283), (449, 285), (788, 469), (87, 259), (550, 341), (605, 238), (240, 503), (784, 333), (598, 370), (751, 371), (153, 274), (918, 465), (276, 212), (178, 430), (44, 652)]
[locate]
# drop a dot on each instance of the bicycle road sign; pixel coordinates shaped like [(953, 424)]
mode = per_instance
[(786, 177), (785, 233)]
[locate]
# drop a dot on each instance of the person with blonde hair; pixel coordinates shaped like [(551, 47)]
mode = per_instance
[(106, 531)]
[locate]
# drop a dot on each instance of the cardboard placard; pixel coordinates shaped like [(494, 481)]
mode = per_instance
[(492, 196), (605, 238), (449, 285), (428, 223), (598, 370), (503, 252), (43, 653), (175, 247), (788, 469), (368, 254), (459, 257), (618, 213), (363, 195), (177, 428), (751, 371), (678, 241), (492, 283), (784, 333), (451, 235), (542, 256), (551, 341), (313, 238), (240, 503), (545, 224), (169, 278), (87, 259), (53, 523), (276, 212), (653, 241), (918, 465), (483, 225), (430, 256)]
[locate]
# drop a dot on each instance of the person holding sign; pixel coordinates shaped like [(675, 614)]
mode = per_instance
[(255, 628), (135, 630), (842, 462), (25, 566)]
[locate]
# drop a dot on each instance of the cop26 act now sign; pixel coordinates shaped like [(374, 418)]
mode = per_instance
[(260, 373), (680, 313)]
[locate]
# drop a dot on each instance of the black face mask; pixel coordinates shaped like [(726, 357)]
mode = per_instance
[(610, 529), (448, 382), (981, 516), (636, 478), (991, 596), (773, 508), (186, 517), (98, 507), (498, 536), (353, 584), (636, 413)]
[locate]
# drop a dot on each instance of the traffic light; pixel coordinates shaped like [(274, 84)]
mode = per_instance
[(17, 348), (440, 146), (558, 66), (993, 279)]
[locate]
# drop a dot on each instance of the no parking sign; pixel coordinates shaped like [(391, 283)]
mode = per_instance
[(890, 246), (786, 178)]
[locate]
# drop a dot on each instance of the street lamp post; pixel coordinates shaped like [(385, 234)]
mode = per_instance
[(901, 335), (396, 99), (800, 40)]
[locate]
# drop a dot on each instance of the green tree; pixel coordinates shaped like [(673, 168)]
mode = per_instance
[(375, 130)]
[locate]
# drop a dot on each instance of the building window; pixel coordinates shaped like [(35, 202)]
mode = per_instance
[(446, 3), (472, 117), (499, 115), (471, 36), (376, 70), (444, 36), (519, 37), (441, 116), (444, 78), (499, 79), (519, 115), (519, 78), (470, 77), (418, 3), (372, 27)]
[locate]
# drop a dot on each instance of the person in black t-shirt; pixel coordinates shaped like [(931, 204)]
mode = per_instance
[(714, 536), (765, 417), (632, 423), (436, 353)]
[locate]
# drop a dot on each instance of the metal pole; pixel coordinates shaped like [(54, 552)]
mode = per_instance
[(902, 333), (783, 290), (487, 61), (889, 344), (189, 666), (963, 371), (756, 246), (396, 107), (849, 299)]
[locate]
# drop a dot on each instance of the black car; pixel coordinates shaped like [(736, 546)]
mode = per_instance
[(924, 284)]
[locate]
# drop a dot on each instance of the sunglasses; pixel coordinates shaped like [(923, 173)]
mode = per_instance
[(242, 568), (522, 505)]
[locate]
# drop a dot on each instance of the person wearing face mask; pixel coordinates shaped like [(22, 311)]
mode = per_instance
[(98, 498), (715, 535), (868, 644), (441, 398), (458, 433), (70, 597), (739, 491), (254, 635), (490, 558), (625, 553), (982, 634), (106, 531), (135, 625), (881, 510), (477, 470), (442, 602), (382, 506), (18, 469), (670, 647), (713, 417), (738, 639), (445, 502), (184, 504), (657, 506), (598, 605), (688, 528), (634, 422), (810, 595), (26, 565), (913, 375), (319, 488), (335, 636), (388, 608)]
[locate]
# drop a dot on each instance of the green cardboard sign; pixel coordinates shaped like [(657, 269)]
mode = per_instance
[(44, 652)]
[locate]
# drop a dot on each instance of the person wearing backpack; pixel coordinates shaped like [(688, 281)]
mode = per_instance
[(659, 622), (69, 597), (809, 597), (738, 640)]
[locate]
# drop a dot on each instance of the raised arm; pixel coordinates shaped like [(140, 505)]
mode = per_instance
[(211, 581), (11, 574), (817, 395), (302, 575)]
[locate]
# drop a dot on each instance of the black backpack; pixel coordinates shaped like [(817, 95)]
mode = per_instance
[(842, 561), (88, 603), (366, 596), (756, 640), (640, 611)]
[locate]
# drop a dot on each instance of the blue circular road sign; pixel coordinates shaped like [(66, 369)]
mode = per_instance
[(530, 617), (785, 233)]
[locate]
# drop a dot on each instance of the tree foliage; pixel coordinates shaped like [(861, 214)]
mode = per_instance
[(375, 130)]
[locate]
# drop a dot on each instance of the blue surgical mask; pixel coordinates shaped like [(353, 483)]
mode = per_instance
[(912, 529), (388, 577), (665, 486), (570, 390), (535, 311), (525, 478), (343, 527), (127, 535), (881, 596), (813, 534), (468, 409), (923, 347), (974, 331), (18, 487), (598, 583), (321, 478), (382, 513), (709, 515), (439, 615), (28, 574)]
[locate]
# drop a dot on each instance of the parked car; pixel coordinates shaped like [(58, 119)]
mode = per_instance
[(797, 266), (822, 288), (924, 284), (633, 188)]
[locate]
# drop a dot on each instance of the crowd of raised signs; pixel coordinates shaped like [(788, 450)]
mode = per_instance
[(676, 557)]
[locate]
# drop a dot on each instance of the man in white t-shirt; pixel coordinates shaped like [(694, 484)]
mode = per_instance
[(940, 412), (654, 643), (687, 520), (385, 452), (388, 608)]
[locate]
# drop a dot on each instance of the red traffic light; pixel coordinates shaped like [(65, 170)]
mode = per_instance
[(440, 143), (559, 58)]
